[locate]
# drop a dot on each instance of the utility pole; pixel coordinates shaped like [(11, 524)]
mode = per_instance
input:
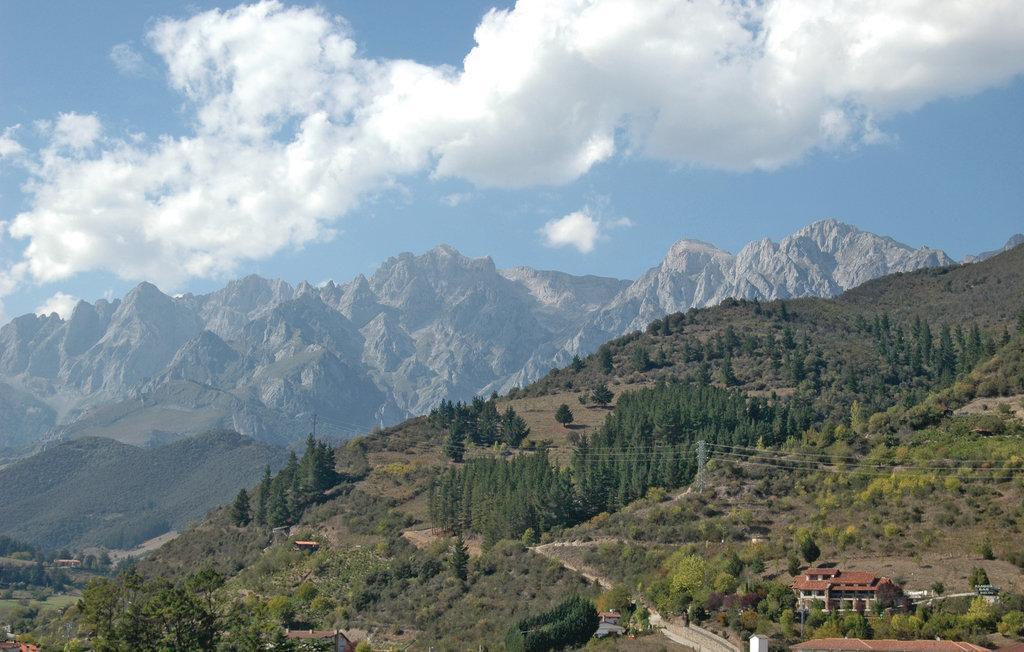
[(702, 460)]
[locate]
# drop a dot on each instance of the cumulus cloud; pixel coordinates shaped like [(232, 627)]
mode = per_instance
[(580, 229), (75, 131), (577, 229), (290, 127), (9, 147), (129, 61), (60, 303)]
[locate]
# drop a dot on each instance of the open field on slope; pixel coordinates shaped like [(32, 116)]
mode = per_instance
[(950, 569), (428, 537), (52, 603), (143, 548), (539, 413), (992, 404)]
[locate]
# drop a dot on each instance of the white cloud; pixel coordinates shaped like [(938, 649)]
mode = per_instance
[(456, 198), (577, 229), (60, 303), (580, 229), (129, 61), (9, 147), (290, 127), (75, 131)]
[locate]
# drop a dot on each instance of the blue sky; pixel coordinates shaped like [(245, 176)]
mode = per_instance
[(938, 162)]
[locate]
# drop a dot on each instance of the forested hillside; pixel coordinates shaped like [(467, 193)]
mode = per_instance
[(880, 431), (889, 341), (100, 492)]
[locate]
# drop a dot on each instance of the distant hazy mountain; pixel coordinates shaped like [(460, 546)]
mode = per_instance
[(820, 260), (261, 356), (95, 491), (1014, 241)]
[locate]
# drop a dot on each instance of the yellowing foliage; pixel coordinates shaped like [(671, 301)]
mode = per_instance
[(894, 487)]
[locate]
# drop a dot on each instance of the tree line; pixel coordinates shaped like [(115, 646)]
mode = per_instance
[(280, 499), (502, 499), (648, 441), (478, 422)]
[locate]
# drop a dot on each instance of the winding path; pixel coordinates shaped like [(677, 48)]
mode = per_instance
[(691, 636)]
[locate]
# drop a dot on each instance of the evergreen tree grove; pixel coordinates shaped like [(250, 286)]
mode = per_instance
[(240, 515)]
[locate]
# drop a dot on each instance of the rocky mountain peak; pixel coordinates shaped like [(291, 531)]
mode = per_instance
[(692, 255), (260, 354), (145, 295), (1014, 241)]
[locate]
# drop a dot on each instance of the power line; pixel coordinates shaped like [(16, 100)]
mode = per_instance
[(783, 460), (929, 465), (961, 472), (831, 458)]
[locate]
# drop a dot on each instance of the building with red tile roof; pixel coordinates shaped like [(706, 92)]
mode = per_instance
[(841, 590)]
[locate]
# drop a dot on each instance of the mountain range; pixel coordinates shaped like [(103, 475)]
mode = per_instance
[(261, 356)]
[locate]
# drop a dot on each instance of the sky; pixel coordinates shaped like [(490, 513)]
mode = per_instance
[(188, 144)]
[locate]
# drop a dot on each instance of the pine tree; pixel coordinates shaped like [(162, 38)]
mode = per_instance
[(602, 395), (604, 359), (641, 359), (263, 497), (458, 558), (563, 415), (946, 362), (240, 509), (455, 445), (277, 509), (487, 424), (322, 473), (513, 428), (576, 364), (703, 375), (728, 377), (809, 549)]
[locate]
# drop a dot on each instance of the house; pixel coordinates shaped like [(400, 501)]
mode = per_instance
[(610, 617), (341, 642), (841, 591), (307, 546), (608, 624), (67, 563), (884, 645), (759, 643)]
